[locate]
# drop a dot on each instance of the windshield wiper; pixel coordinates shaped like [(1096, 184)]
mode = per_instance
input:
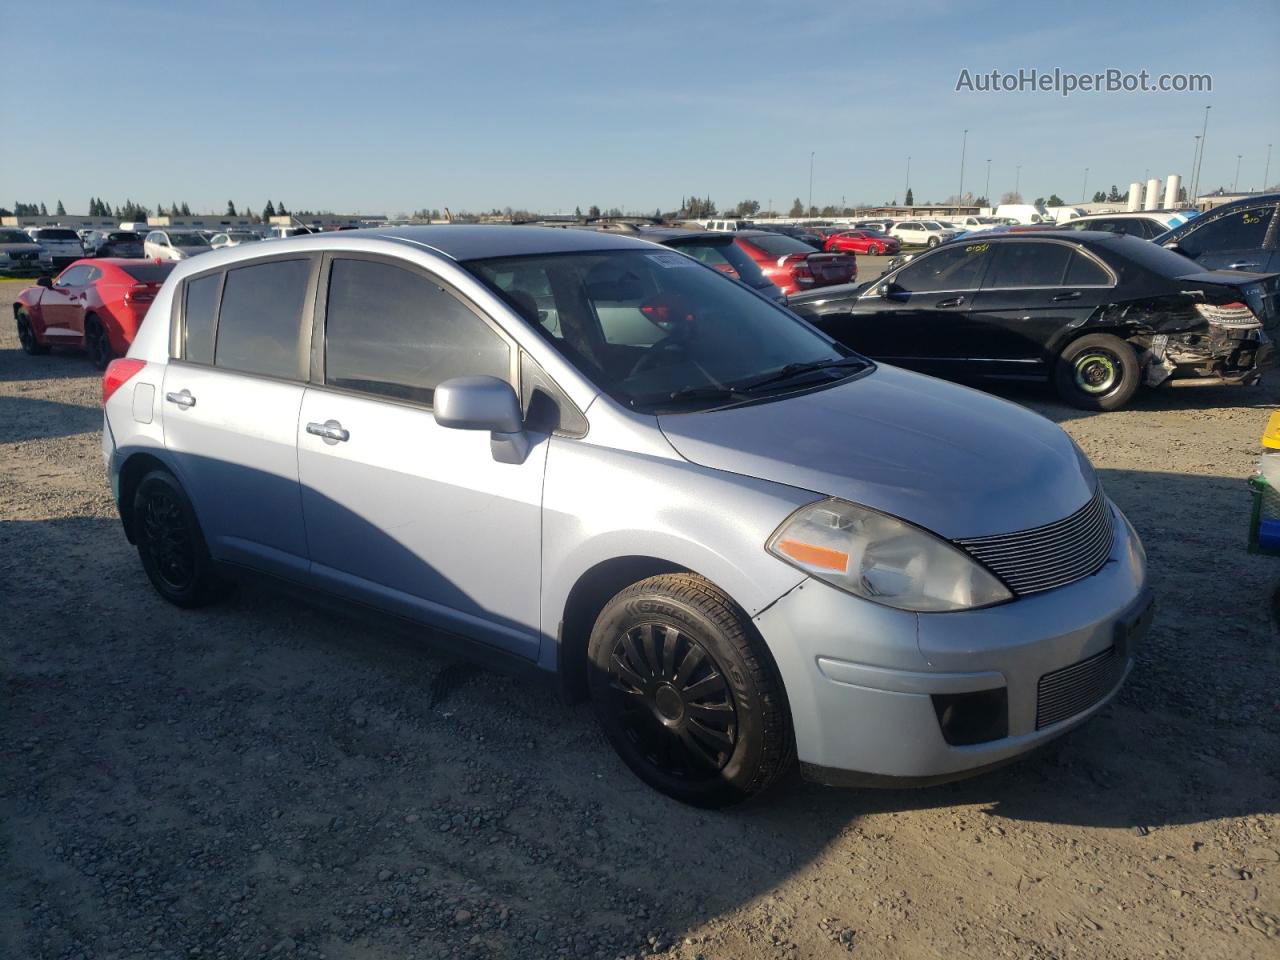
[(792, 370)]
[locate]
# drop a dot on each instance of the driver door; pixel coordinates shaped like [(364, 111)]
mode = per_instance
[(62, 305)]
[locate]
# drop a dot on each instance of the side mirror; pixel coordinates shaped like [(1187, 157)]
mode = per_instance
[(45, 282), (1173, 245), (484, 403), (891, 291)]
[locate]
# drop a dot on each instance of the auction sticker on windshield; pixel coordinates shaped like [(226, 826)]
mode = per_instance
[(670, 259)]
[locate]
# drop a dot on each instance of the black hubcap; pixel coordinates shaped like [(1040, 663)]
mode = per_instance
[(167, 539), (672, 701)]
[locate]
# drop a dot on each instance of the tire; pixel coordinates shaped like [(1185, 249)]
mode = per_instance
[(96, 343), (1097, 372), (171, 545), (933, 242), (874, 251), (27, 336), (687, 693)]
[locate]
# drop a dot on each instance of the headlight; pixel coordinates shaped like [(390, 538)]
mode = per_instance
[(882, 558)]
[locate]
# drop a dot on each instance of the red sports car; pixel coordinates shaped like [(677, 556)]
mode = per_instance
[(95, 305), (862, 241), (793, 265)]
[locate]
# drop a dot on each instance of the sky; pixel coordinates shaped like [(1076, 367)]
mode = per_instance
[(383, 106)]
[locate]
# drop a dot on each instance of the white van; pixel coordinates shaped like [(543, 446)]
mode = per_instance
[(729, 226), (1024, 212)]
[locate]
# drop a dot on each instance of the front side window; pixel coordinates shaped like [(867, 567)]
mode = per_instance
[(657, 331), (396, 333), (1028, 265), (1239, 230), (949, 268), (74, 277), (188, 240), (260, 318)]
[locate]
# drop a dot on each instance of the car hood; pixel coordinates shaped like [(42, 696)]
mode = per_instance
[(950, 459)]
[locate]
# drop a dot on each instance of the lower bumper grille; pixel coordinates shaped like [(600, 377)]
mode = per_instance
[(1074, 689)]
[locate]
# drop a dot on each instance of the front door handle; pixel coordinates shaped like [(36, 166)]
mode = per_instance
[(330, 431), (949, 302), (1073, 295), (182, 398), (1242, 265)]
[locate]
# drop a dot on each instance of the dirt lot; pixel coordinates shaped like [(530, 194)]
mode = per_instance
[(264, 779)]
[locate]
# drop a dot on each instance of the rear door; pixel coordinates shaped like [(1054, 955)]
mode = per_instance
[(402, 512), (1244, 239), (232, 395), (1035, 289)]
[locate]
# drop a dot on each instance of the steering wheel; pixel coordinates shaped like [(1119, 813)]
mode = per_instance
[(660, 354)]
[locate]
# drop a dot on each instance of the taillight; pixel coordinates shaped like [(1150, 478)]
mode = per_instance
[(140, 293), (1235, 314), (118, 372)]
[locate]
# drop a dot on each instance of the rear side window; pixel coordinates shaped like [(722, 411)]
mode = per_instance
[(395, 333), (1085, 272), (956, 267), (1029, 265), (198, 310), (260, 318), (149, 272), (1241, 230)]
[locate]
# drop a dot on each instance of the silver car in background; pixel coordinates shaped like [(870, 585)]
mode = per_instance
[(62, 243), (22, 256), (595, 455), (174, 244)]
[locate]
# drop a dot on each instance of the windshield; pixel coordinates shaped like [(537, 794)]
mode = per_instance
[(14, 236), (187, 240), (778, 245), (657, 331), (57, 235), (149, 272), (124, 237), (242, 237)]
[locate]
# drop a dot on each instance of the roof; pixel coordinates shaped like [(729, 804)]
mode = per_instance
[(482, 241)]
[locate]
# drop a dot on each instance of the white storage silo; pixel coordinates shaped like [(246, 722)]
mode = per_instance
[(1135, 196), (1151, 201), (1172, 184)]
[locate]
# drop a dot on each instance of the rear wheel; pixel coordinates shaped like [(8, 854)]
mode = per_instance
[(686, 692), (933, 242), (1097, 372), (27, 336), (170, 544), (96, 343)]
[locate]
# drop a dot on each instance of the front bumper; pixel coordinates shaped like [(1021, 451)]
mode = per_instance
[(867, 684)]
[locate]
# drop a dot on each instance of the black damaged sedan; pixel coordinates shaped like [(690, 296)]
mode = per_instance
[(1097, 314)]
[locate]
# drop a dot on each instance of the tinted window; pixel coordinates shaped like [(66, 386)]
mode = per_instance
[(74, 277), (1029, 265), (14, 236), (187, 240), (58, 235), (1083, 271), (260, 317), (394, 332), (1241, 230), (124, 237), (776, 245), (149, 272), (956, 267), (198, 312)]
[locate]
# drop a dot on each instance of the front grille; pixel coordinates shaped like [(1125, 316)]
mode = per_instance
[(1076, 688), (1050, 556)]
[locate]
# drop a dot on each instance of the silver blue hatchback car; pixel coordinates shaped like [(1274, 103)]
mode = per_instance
[(589, 453)]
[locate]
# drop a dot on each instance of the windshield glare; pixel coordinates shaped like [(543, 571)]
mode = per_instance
[(646, 327)]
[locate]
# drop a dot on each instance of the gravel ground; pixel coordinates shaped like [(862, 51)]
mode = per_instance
[(266, 779)]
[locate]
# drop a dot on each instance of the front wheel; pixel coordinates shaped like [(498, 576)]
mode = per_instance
[(874, 251), (27, 336), (171, 545), (1097, 372), (933, 242), (686, 692)]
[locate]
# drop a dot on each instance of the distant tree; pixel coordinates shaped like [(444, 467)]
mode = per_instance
[(1114, 196), (268, 212), (43, 211), (1100, 197), (231, 209), (657, 214), (1055, 201), (797, 209), (1011, 197), (577, 212), (593, 211), (185, 211), (281, 210), (61, 211), (747, 208), (910, 198)]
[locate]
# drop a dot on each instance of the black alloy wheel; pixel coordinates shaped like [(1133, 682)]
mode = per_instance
[(170, 544), (27, 336), (96, 343)]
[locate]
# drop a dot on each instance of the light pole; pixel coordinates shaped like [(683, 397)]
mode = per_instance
[(809, 212), (963, 144), (904, 196), (1236, 182), (1084, 187), (986, 191), (1017, 182), (1266, 172), (1204, 142), (1195, 155)]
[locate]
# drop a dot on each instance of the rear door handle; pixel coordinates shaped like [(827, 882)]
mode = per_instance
[(331, 431), (182, 398), (1073, 295), (1242, 265), (949, 302)]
